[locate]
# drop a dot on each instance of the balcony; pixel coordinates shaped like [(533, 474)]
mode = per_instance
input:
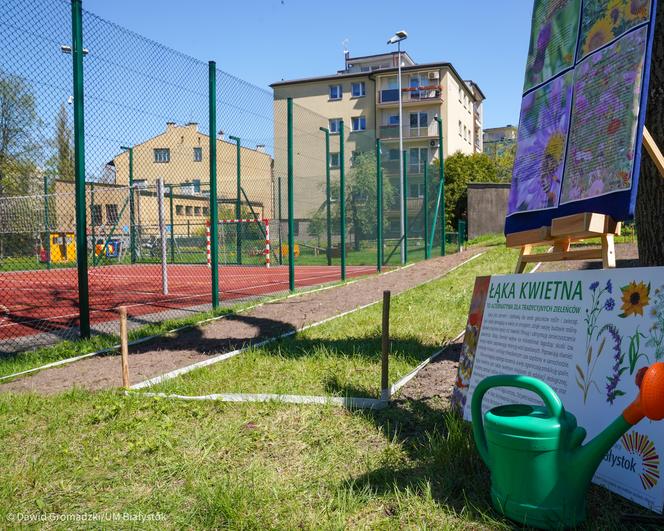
[(410, 94), (392, 131)]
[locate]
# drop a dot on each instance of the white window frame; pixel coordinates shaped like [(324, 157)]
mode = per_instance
[(162, 155), (340, 89), (359, 120), (334, 130), (198, 154), (335, 155), (363, 87)]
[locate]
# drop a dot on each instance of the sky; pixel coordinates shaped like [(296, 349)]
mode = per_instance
[(263, 41)]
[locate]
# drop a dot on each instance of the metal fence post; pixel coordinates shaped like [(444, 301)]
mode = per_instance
[(461, 234), (281, 258), (162, 234), (238, 198), (92, 224), (170, 208), (46, 224), (79, 169), (214, 215), (405, 206), (328, 206), (427, 251), (291, 224), (342, 197), (132, 229), (379, 209), (442, 187), (441, 195)]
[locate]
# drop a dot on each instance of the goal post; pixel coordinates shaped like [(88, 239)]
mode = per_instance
[(254, 234)]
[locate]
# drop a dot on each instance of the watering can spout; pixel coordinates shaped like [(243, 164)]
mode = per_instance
[(587, 458)]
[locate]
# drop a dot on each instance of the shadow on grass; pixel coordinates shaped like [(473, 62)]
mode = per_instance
[(442, 459)]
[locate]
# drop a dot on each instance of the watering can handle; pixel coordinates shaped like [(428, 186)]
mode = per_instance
[(548, 395)]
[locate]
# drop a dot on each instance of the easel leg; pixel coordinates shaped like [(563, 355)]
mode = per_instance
[(608, 251), (521, 264)]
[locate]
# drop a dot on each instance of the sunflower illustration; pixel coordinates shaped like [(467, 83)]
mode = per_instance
[(634, 298), (599, 34)]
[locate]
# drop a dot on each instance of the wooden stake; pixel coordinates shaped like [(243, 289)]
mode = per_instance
[(384, 377), (124, 347)]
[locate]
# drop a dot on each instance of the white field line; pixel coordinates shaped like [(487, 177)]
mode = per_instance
[(222, 357), (349, 402), (183, 297)]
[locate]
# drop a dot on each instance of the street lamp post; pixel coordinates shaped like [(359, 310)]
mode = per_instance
[(132, 228), (396, 39)]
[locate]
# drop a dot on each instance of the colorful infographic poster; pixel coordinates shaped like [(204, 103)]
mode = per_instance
[(582, 111), (586, 334)]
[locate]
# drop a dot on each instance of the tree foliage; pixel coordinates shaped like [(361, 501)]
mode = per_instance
[(61, 164), (360, 201), (18, 125), (462, 169)]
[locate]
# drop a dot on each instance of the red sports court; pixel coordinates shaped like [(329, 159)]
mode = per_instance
[(39, 301)]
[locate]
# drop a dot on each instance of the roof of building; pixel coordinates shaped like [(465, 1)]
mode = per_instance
[(347, 75)]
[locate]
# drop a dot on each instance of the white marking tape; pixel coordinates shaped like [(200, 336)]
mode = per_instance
[(350, 401)]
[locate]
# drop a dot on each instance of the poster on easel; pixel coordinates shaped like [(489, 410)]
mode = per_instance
[(582, 111), (586, 334)]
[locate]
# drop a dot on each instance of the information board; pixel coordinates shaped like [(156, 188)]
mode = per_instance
[(586, 334), (582, 111)]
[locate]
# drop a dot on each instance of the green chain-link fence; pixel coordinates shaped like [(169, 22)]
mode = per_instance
[(131, 174)]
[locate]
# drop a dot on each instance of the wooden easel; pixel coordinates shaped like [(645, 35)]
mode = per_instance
[(575, 228)]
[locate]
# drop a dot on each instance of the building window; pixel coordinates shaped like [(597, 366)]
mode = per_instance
[(198, 154), (197, 211), (111, 213), (162, 155), (205, 211), (393, 154), (393, 119), (417, 159), (460, 129), (179, 210), (334, 160), (358, 89), (95, 214), (359, 123), (296, 227), (334, 125), (335, 92), (196, 184), (419, 119), (188, 210)]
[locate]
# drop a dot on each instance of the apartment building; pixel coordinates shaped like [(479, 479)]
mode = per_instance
[(179, 157), (365, 94), (499, 139)]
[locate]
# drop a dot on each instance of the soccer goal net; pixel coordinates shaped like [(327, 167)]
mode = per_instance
[(241, 242)]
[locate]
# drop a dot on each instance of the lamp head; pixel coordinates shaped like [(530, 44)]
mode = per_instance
[(398, 37)]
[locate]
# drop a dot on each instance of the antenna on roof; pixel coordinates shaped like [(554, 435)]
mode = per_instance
[(344, 43)]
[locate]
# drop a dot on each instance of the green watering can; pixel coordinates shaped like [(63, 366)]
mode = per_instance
[(540, 473)]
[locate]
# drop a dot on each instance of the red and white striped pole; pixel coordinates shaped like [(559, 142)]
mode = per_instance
[(207, 245), (267, 242)]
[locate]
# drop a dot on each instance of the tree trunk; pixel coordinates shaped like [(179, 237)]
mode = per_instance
[(650, 200)]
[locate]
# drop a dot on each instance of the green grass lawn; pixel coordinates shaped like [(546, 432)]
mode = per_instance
[(201, 465), (342, 357)]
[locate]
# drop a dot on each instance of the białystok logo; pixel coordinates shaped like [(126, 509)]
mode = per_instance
[(638, 444)]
